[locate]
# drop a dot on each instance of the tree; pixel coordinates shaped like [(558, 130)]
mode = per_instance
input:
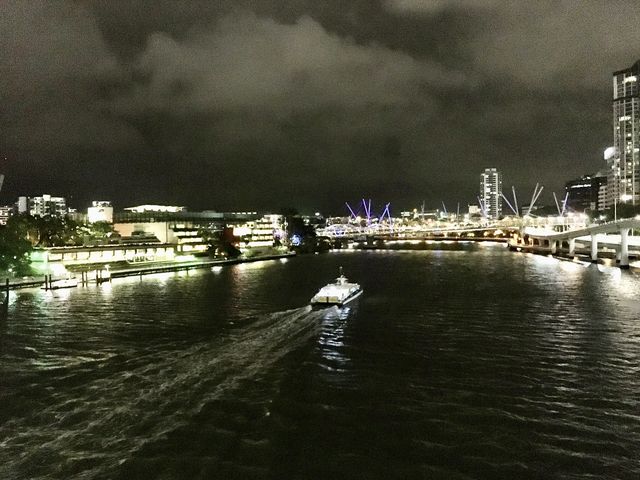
[(228, 243), (24, 226), (14, 249), (96, 233)]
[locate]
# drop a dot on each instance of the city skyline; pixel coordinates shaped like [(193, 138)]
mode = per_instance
[(305, 104)]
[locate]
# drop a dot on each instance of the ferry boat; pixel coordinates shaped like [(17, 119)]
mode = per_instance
[(338, 293)]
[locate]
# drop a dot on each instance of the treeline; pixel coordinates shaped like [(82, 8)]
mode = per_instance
[(24, 232)]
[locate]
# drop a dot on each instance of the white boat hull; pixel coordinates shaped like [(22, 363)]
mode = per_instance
[(338, 293), (329, 301)]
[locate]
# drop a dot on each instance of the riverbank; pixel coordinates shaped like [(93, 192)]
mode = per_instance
[(100, 276)]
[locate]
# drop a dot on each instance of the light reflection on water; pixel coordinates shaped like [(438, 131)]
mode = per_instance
[(452, 364)]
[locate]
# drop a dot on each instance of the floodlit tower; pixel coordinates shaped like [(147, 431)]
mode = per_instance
[(624, 161), (491, 192)]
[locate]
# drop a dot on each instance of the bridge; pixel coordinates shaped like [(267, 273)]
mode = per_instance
[(341, 233), (551, 240)]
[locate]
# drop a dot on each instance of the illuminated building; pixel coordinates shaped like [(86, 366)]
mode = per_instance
[(100, 211), (155, 208), (5, 213), (184, 235), (261, 232), (491, 192), (58, 258), (624, 158), (185, 229), (43, 205)]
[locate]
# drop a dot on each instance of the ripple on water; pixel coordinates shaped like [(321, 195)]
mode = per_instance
[(454, 365)]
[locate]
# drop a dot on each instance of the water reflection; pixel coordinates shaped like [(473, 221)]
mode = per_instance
[(106, 289), (531, 360), (331, 342)]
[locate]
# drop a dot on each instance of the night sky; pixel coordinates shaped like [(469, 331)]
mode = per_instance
[(233, 105)]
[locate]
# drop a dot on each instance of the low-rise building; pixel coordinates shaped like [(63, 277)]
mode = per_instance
[(42, 205), (185, 235), (57, 259), (187, 229), (155, 208), (261, 232), (100, 211), (5, 213)]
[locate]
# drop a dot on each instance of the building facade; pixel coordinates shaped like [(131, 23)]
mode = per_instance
[(583, 193), (624, 160), (43, 205), (491, 193), (5, 213), (100, 211), (261, 232), (184, 229)]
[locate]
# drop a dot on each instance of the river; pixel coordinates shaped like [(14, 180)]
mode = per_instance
[(471, 363)]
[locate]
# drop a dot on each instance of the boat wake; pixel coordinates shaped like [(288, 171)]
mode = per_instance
[(90, 428)]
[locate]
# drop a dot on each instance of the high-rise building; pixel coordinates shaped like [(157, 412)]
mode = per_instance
[(624, 161), (491, 192), (602, 178), (583, 192)]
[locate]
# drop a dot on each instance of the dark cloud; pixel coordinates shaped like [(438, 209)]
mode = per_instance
[(543, 44), (52, 57), (247, 62), (262, 104)]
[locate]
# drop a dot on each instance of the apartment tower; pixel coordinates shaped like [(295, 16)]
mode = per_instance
[(624, 160), (491, 193)]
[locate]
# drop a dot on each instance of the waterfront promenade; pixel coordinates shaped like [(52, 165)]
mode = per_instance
[(102, 275)]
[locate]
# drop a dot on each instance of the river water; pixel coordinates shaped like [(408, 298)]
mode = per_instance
[(477, 363)]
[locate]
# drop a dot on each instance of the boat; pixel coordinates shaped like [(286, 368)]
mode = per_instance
[(337, 293)]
